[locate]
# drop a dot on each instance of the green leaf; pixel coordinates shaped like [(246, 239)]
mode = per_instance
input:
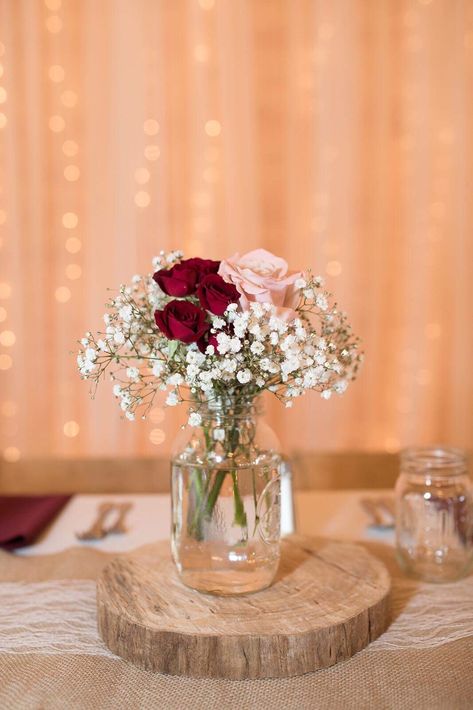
[(172, 347)]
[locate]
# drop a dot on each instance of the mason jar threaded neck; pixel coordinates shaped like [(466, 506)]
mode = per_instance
[(434, 461), (229, 407)]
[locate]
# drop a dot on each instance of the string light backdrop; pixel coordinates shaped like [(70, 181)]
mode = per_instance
[(334, 132)]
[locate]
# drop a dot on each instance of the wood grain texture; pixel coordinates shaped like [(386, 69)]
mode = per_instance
[(329, 600)]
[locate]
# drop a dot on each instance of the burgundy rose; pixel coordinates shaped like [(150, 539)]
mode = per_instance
[(201, 266), (215, 294), (208, 339), (183, 278), (181, 320), (180, 280)]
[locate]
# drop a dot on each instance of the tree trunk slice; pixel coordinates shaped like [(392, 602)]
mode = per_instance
[(329, 600)]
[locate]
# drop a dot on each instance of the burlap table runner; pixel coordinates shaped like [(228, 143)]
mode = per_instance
[(52, 657)]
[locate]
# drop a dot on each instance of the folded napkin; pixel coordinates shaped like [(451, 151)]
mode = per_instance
[(22, 519)]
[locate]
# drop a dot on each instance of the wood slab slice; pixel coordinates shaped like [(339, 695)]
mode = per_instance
[(330, 600)]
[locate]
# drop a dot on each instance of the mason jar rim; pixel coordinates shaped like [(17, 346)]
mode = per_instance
[(435, 459), (231, 406)]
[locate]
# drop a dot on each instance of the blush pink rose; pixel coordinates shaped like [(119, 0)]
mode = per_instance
[(263, 277)]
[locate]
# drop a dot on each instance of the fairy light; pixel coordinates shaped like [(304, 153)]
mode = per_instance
[(152, 152), (6, 361), (142, 176), (56, 73), (9, 408), (69, 98), (392, 444), (211, 154), (54, 24), (5, 290), (70, 148), (71, 173), (11, 454), (73, 272), (213, 128), (207, 4), (151, 127), (57, 124), (210, 174), (7, 338), (157, 436), (201, 53), (3, 95), (62, 294), (53, 5), (333, 268), (71, 429), (156, 415), (70, 220), (142, 199), (73, 245)]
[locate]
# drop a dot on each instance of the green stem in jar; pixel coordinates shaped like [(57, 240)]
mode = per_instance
[(214, 493), (240, 515), (197, 487), (255, 500)]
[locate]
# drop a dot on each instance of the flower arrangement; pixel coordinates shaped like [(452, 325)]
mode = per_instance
[(202, 329), (218, 334)]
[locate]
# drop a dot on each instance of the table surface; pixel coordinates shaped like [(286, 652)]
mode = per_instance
[(52, 658), (335, 514)]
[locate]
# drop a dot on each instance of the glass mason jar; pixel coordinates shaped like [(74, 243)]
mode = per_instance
[(226, 500), (434, 514)]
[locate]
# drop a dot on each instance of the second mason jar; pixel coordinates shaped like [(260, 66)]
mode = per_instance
[(434, 514), (226, 499)]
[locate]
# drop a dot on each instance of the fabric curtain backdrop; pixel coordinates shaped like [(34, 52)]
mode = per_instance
[(336, 133)]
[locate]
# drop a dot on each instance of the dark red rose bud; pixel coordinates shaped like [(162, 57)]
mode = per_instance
[(208, 339), (181, 320), (215, 294), (179, 281), (201, 266)]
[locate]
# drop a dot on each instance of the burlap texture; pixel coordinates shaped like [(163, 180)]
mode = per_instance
[(435, 673)]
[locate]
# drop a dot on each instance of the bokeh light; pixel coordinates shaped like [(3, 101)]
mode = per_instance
[(71, 429), (7, 338), (213, 128), (151, 127), (73, 245), (11, 454), (57, 124), (62, 294), (70, 220), (56, 73), (152, 152)]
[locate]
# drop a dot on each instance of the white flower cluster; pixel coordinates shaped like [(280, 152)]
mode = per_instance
[(248, 351)]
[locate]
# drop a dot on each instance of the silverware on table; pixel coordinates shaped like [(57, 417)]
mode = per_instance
[(97, 530), (119, 527), (380, 511)]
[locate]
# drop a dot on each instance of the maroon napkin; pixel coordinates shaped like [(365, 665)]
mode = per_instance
[(22, 519)]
